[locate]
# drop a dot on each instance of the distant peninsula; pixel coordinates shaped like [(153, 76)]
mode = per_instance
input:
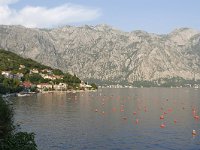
[(20, 75)]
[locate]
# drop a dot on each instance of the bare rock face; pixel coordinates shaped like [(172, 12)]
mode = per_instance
[(104, 53)]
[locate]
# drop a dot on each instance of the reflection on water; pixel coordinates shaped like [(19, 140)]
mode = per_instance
[(112, 119)]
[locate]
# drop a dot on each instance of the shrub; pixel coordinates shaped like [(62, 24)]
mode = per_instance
[(6, 115), (9, 140), (19, 141)]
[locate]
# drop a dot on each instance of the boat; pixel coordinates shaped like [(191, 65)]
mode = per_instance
[(22, 94)]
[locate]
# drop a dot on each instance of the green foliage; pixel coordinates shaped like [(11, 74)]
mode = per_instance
[(70, 79), (9, 85), (24, 71), (6, 115), (46, 89), (9, 140), (35, 78), (33, 89), (94, 86), (3, 90), (19, 141), (11, 61), (5, 112), (57, 72), (1, 78)]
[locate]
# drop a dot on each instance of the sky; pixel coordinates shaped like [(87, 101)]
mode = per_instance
[(155, 16)]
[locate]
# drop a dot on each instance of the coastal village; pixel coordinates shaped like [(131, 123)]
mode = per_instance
[(52, 81)]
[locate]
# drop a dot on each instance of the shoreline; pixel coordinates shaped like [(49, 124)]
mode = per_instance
[(6, 96), (68, 91)]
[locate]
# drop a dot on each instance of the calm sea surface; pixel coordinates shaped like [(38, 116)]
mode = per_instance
[(116, 119)]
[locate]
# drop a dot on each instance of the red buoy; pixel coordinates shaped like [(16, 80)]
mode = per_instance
[(175, 121), (162, 125), (196, 117), (137, 121), (165, 113), (161, 116)]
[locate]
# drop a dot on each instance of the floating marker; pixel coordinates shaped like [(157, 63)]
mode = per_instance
[(162, 117), (194, 132), (162, 125)]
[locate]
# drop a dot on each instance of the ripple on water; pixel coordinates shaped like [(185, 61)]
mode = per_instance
[(69, 121)]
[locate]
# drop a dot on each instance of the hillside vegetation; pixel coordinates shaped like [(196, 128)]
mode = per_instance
[(12, 61), (20, 69)]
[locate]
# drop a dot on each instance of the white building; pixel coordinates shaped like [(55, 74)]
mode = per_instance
[(86, 86), (60, 86), (34, 71), (51, 77), (7, 74), (44, 86), (21, 67)]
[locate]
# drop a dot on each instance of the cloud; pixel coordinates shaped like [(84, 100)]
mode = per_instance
[(6, 2), (30, 16)]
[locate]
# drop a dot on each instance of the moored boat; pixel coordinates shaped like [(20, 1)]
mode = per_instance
[(23, 94)]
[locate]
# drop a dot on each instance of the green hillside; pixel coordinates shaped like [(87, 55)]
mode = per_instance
[(11, 61), (15, 65)]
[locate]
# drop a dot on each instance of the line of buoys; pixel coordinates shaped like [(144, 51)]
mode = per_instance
[(142, 107)]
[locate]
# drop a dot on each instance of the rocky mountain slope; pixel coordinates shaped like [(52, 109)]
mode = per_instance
[(107, 54)]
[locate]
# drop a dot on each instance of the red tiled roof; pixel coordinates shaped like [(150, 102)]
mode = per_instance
[(27, 84)]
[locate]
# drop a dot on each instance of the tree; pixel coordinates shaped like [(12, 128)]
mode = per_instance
[(94, 86), (1, 78), (35, 78), (24, 71), (57, 72), (6, 82), (6, 115), (19, 141), (10, 140)]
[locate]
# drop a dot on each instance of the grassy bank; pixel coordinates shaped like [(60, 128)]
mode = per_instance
[(9, 138)]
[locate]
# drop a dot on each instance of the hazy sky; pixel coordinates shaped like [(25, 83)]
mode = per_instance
[(158, 16)]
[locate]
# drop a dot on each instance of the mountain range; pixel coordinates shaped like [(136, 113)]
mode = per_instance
[(103, 53)]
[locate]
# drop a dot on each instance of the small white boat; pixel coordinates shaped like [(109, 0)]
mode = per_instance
[(22, 94)]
